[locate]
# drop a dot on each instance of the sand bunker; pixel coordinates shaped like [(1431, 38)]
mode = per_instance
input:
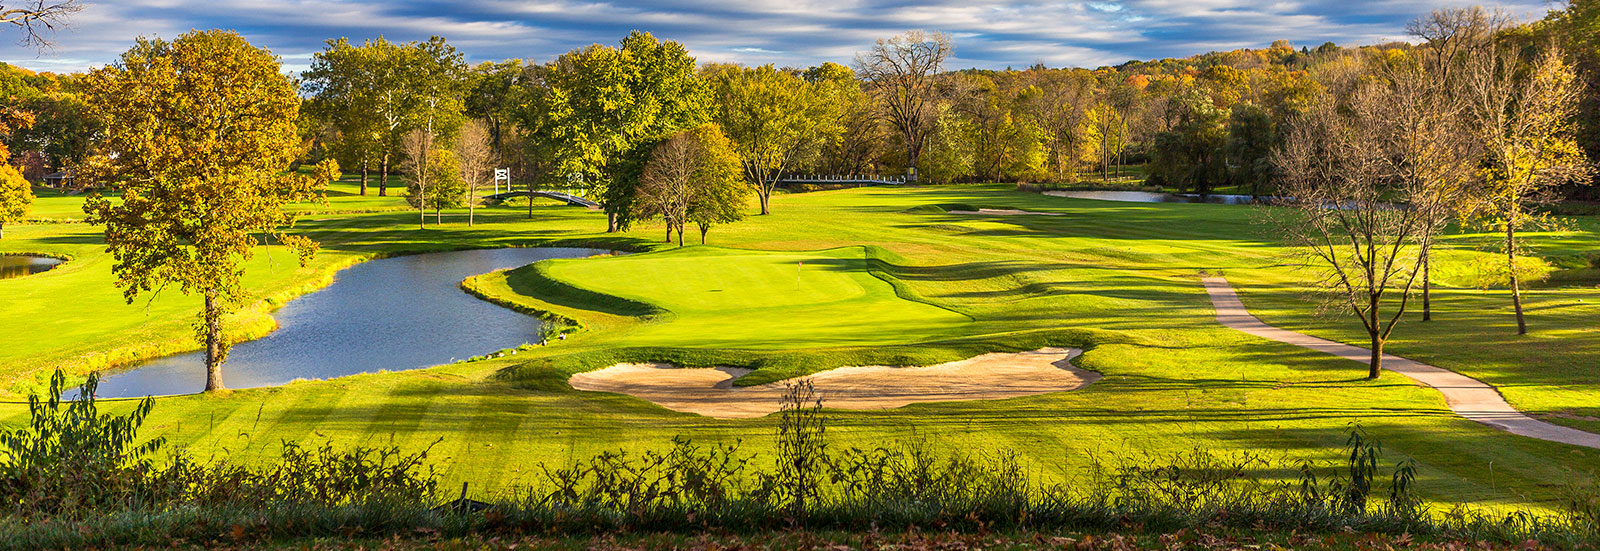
[(710, 391), (1006, 212)]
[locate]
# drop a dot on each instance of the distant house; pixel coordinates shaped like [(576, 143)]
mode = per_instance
[(58, 180)]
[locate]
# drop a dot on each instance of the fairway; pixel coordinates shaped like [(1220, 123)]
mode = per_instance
[(730, 298)]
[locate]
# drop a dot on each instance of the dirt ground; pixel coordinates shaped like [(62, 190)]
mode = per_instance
[(710, 391)]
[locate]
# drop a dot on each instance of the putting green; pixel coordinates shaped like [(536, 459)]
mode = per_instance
[(731, 298)]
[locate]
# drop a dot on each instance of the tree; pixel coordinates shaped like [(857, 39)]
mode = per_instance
[(475, 158), (326, 172), (854, 147), (199, 134), (494, 98), (693, 176), (1058, 102), (38, 17), (1525, 112), (1426, 124), (899, 72), (1251, 139), (1336, 207), (720, 197), (449, 190), (376, 93), (417, 146), (666, 187), (344, 81), (775, 119), (1191, 156), (16, 196), (600, 109)]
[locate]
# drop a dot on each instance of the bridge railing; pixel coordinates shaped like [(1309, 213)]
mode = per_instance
[(844, 179)]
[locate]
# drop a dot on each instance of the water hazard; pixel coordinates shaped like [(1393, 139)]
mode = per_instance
[(393, 314), (1150, 197), (14, 265)]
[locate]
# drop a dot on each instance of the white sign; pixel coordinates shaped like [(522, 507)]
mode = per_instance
[(502, 174)]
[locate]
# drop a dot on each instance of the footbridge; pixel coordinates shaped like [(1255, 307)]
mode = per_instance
[(569, 198), (846, 180)]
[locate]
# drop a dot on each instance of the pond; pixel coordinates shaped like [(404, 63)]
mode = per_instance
[(394, 314), (17, 265), (1151, 197)]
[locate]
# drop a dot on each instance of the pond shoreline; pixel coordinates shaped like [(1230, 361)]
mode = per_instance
[(249, 323)]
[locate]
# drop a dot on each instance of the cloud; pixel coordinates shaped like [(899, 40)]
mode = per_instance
[(798, 33)]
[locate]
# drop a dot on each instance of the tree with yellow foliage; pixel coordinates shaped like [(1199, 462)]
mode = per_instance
[(199, 134)]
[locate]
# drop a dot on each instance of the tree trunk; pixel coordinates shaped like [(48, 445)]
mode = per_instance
[(766, 195), (911, 168), (1376, 363), (669, 232), (383, 179), (680, 236), (364, 164), (1516, 293), (611, 220), (1375, 332), (530, 199), (472, 197), (214, 345), (703, 229), (1427, 287)]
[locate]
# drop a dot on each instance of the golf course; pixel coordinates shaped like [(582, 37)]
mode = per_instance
[(877, 276)]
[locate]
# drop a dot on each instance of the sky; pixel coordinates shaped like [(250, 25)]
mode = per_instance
[(800, 33)]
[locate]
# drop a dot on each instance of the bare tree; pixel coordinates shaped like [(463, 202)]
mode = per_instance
[(1525, 113), (1337, 181), (899, 72), (37, 18), (475, 158), (667, 186), (416, 145), (1434, 153)]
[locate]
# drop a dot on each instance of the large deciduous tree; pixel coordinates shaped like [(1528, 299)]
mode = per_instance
[(775, 119), (1191, 156), (600, 109), (199, 133), (900, 73), (344, 81), (858, 142), (377, 93)]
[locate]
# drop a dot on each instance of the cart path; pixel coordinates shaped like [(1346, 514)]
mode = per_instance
[(1468, 397)]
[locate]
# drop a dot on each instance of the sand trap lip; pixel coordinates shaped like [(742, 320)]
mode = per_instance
[(1006, 212), (710, 391)]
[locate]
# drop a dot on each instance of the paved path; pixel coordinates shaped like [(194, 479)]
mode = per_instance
[(1468, 397)]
